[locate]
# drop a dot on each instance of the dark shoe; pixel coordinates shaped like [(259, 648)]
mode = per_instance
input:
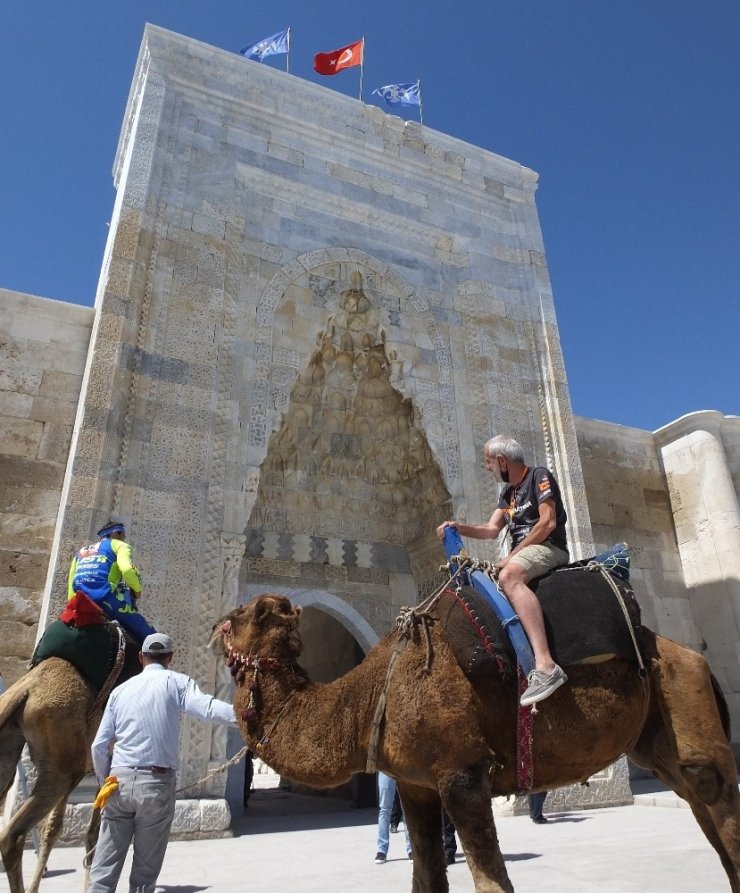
[(540, 820), (450, 858), (380, 858), (394, 828), (410, 855), (542, 685)]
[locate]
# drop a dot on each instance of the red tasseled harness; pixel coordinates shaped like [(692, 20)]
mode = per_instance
[(524, 716)]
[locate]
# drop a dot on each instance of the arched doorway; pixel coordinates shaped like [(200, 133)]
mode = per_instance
[(329, 650)]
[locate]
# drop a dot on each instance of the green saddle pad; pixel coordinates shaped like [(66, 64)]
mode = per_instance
[(91, 649)]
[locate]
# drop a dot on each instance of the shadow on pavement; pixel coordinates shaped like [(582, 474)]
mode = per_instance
[(177, 888), (275, 810), (521, 857), (565, 818)]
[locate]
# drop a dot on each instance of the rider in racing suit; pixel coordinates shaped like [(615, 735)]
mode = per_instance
[(105, 572)]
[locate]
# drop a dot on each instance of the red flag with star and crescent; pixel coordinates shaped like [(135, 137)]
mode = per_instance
[(345, 57)]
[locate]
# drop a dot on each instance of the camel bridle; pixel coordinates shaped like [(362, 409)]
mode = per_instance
[(238, 662), (239, 665)]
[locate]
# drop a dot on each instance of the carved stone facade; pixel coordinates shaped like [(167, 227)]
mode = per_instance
[(302, 337), (310, 318)]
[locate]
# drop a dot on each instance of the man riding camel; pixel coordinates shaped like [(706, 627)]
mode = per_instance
[(532, 508), (105, 572)]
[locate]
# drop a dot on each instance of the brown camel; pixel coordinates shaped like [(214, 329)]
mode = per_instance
[(47, 708), (450, 740)]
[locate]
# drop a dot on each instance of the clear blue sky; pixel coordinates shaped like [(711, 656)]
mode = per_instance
[(628, 110)]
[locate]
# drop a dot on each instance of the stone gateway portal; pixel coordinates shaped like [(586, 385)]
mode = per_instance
[(309, 318)]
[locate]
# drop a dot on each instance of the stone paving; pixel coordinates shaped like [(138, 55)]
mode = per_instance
[(288, 842)]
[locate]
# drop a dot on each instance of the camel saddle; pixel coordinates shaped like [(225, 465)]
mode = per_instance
[(88, 639), (584, 620)]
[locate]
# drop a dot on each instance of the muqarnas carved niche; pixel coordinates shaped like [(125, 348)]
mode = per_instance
[(350, 459)]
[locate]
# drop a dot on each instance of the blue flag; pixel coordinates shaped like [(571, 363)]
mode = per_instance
[(400, 94), (270, 46)]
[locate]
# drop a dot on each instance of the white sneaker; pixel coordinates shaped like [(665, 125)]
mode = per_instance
[(542, 685)]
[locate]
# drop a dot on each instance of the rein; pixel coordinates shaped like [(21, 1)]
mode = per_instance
[(642, 672), (406, 622)]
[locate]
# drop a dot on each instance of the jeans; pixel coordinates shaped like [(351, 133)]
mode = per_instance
[(536, 802), (386, 793), (448, 836), (142, 808)]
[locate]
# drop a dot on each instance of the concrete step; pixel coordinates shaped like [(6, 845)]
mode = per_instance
[(650, 792)]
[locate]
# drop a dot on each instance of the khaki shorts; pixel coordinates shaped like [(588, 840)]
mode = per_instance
[(538, 560)]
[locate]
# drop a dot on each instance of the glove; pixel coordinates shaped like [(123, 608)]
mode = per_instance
[(106, 789)]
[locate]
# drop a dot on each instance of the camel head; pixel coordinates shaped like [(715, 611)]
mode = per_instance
[(266, 627)]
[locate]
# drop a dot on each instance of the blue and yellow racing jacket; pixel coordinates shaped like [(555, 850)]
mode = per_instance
[(106, 573), (98, 569)]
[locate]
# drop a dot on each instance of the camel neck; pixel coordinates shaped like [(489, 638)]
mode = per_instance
[(299, 721)]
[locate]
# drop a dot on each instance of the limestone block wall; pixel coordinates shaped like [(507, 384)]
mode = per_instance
[(628, 500), (43, 346), (700, 454), (673, 496)]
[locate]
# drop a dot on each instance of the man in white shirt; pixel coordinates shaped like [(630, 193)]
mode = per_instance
[(143, 717)]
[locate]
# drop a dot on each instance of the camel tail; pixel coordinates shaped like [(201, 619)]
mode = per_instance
[(13, 700), (724, 713)]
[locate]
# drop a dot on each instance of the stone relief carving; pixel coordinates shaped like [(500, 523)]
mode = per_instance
[(350, 447)]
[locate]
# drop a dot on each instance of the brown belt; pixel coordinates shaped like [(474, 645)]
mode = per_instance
[(155, 770)]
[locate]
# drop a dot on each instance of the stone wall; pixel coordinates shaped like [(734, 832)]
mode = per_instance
[(629, 501), (43, 347), (673, 496), (700, 454)]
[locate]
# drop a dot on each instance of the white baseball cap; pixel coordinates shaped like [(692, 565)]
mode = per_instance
[(158, 643)]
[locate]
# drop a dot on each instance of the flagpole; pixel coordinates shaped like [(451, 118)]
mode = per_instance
[(287, 55), (421, 113), (362, 64)]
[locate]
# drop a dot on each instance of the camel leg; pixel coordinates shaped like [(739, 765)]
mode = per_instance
[(707, 823), (466, 795), (49, 834), (422, 811), (46, 793), (91, 841), (685, 745)]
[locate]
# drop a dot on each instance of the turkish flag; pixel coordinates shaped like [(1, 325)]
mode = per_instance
[(346, 57)]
